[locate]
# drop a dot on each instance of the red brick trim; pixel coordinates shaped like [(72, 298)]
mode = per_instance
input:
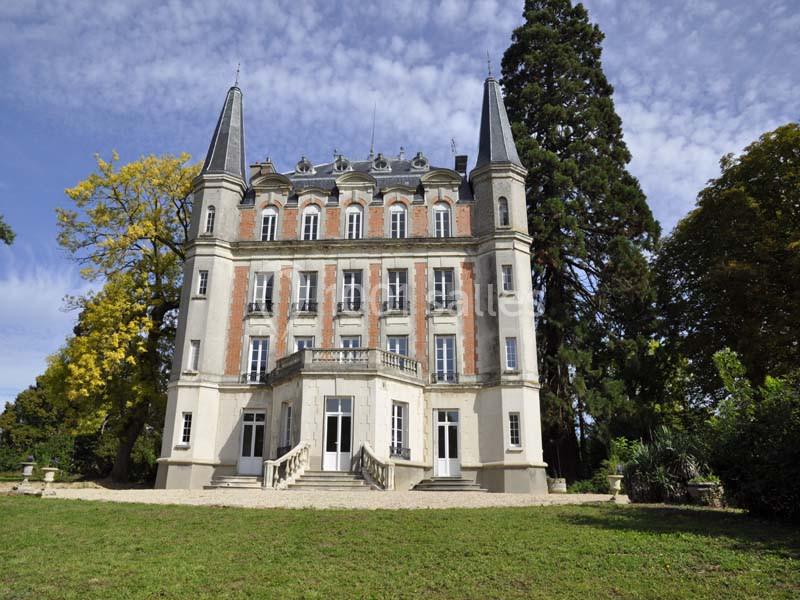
[(420, 322), (469, 342), (233, 349), (289, 228), (328, 306), (284, 297), (247, 223), (374, 304), (463, 220)]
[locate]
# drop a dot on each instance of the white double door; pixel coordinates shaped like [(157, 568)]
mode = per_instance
[(447, 463), (251, 458), (338, 434)]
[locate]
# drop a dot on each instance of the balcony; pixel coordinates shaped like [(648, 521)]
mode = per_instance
[(444, 377), (264, 307), (349, 306), (396, 305), (305, 306), (443, 303), (400, 452), (254, 377), (336, 360)]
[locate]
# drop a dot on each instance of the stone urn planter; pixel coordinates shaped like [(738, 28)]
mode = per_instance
[(27, 471), (556, 485), (705, 493), (49, 477), (615, 484)]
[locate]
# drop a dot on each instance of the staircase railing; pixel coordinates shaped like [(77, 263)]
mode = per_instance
[(284, 470), (379, 471)]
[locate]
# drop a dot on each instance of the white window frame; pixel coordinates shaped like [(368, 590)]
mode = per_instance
[(307, 341), (311, 219), (503, 214), (512, 354), (442, 220), (399, 426), (286, 424), (507, 272), (202, 282), (352, 291), (398, 221), (263, 282), (445, 357), (269, 224), (444, 288), (354, 222), (514, 430), (396, 343), (211, 218), (186, 429), (193, 363), (307, 288), (397, 289), (258, 358)]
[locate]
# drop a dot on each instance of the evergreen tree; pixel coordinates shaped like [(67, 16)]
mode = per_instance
[(590, 224)]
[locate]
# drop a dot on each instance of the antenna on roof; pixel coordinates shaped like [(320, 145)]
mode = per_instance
[(453, 146), (236, 83), (488, 63), (372, 137)]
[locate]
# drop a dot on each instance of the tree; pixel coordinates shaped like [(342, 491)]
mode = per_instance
[(128, 229), (590, 224), (729, 274), (6, 233)]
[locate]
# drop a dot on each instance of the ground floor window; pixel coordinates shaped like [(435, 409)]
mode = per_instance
[(514, 437), (399, 446), (301, 343), (286, 428), (446, 358), (186, 430)]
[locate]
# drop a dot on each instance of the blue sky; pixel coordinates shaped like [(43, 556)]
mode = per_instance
[(694, 80)]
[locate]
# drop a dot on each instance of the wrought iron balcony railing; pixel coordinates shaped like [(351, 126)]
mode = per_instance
[(400, 452), (305, 306), (260, 307), (349, 306), (444, 377), (396, 305), (254, 377), (443, 303)]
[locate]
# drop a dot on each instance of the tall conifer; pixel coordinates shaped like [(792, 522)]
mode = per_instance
[(589, 220)]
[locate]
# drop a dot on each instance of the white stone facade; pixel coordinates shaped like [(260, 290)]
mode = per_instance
[(463, 265)]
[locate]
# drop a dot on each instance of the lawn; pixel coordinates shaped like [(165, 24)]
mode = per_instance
[(78, 549)]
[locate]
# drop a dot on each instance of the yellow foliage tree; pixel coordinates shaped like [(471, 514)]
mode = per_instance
[(127, 228)]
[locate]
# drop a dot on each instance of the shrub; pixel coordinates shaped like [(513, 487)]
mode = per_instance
[(754, 442), (660, 471)]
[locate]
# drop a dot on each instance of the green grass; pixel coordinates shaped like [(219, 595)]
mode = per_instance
[(77, 549)]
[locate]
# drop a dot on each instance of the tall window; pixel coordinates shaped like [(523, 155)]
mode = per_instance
[(399, 442), (355, 221), (211, 215), (262, 293), (350, 341), (511, 354), (301, 343), (445, 358), (286, 426), (397, 344), (398, 284), (307, 292), (186, 429), (508, 278), (514, 437), (194, 355), (397, 221), (259, 350), (202, 283), (269, 224), (502, 213), (351, 291), (443, 288), (441, 220), (311, 222)]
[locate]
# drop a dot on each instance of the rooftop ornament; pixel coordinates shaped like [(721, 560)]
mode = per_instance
[(381, 164), (304, 167), (419, 162), (341, 165)]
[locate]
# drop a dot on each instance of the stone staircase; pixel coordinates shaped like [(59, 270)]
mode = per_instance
[(448, 484), (241, 482), (337, 481)]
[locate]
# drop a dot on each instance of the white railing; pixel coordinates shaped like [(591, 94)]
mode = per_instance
[(399, 362), (284, 470), (340, 355), (381, 472)]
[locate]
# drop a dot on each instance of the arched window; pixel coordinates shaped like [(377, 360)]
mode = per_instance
[(441, 220), (269, 224), (311, 222), (502, 213), (397, 221), (211, 215), (355, 222)]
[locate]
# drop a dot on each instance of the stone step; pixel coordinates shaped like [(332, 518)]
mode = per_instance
[(448, 484), (315, 477), (337, 483), (246, 482), (299, 487)]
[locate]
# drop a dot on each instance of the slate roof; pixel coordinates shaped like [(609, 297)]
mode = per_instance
[(226, 151), (495, 144)]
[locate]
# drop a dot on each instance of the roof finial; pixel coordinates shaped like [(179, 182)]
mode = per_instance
[(488, 63), (372, 137), (236, 83)]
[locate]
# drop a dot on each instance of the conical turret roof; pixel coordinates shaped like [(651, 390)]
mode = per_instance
[(226, 151), (496, 144)]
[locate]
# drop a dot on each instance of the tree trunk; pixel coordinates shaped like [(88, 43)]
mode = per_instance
[(121, 472)]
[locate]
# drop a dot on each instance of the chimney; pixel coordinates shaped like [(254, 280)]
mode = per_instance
[(461, 164)]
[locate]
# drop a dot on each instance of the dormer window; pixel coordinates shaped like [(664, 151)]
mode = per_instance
[(441, 220), (311, 222), (341, 165), (419, 162), (304, 167), (355, 222), (380, 163)]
